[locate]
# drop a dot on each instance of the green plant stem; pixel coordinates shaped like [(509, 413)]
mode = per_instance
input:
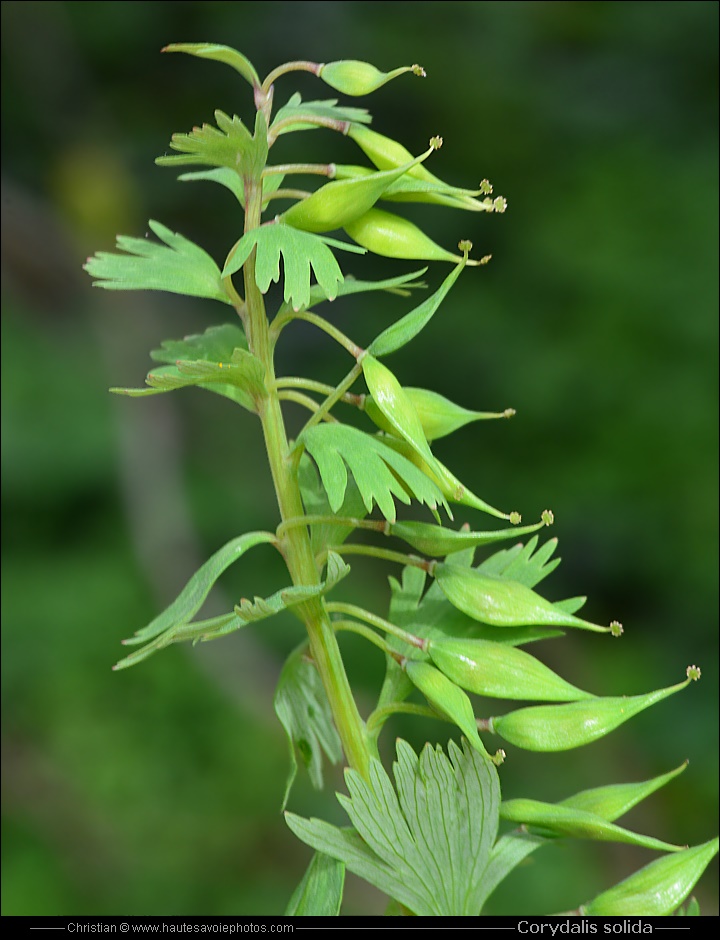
[(331, 400), (331, 330), (378, 718), (310, 385), (288, 169), (338, 607), (385, 553), (305, 401), (350, 626), (374, 525), (295, 545)]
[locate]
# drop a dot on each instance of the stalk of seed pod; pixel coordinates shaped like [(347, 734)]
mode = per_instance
[(563, 727), (502, 602), (500, 671)]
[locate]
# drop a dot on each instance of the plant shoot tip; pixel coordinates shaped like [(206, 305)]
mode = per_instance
[(515, 518), (548, 517), (509, 413), (436, 142), (499, 757), (465, 245), (419, 71), (693, 672), (616, 628)]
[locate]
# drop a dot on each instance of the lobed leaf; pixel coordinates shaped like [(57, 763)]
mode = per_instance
[(229, 145), (208, 50), (216, 344), (439, 541), (179, 266), (426, 841), (315, 501), (352, 286), (300, 251), (302, 708), (296, 110), (380, 473)]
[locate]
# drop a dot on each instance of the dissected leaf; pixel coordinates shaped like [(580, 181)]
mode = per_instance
[(300, 251), (179, 266), (304, 712), (296, 109), (230, 145), (320, 892), (380, 473), (523, 563), (350, 285), (216, 344), (426, 845), (316, 502), (439, 541)]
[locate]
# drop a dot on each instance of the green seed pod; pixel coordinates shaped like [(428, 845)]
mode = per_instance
[(360, 78), (579, 824), (657, 889), (563, 727), (500, 671), (391, 236), (446, 697), (387, 153), (438, 415), (436, 540), (613, 801), (409, 189), (395, 406), (502, 602), (340, 202), (448, 484)]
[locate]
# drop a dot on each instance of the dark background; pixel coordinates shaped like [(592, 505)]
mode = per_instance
[(157, 790)]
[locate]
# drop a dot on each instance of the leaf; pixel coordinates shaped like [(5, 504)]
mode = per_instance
[(520, 564), (300, 251), (241, 379), (216, 344), (304, 712), (351, 286), (244, 613), (658, 889), (408, 327), (296, 109), (427, 845), (380, 473), (316, 502), (580, 824), (229, 178), (178, 266), (230, 145), (320, 892), (439, 541), (193, 595), (231, 57)]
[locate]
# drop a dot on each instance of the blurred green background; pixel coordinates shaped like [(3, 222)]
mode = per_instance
[(158, 790)]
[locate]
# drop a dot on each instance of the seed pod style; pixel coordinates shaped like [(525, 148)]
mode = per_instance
[(438, 540), (657, 889), (387, 153), (502, 602), (355, 78), (340, 202), (563, 727), (391, 236), (446, 697), (500, 671)]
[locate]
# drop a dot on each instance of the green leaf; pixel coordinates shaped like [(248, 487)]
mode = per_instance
[(351, 286), (408, 327), (216, 344), (658, 889), (579, 824), (575, 724), (231, 57), (229, 145), (691, 909), (320, 892), (301, 251), (193, 595), (380, 473), (229, 178), (241, 379), (304, 712), (245, 612), (426, 845), (296, 110), (352, 77), (438, 415), (523, 564), (316, 502), (178, 266)]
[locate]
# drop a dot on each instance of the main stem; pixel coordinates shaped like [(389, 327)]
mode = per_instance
[(295, 543)]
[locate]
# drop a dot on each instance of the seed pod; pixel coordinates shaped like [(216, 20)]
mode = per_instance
[(500, 671), (360, 78), (657, 889), (340, 202), (437, 540), (563, 727), (387, 153), (502, 602), (395, 406), (447, 483), (409, 189), (613, 801), (391, 236), (579, 824), (438, 415), (446, 697)]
